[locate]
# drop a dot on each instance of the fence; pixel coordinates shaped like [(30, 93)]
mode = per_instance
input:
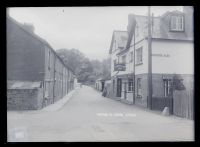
[(159, 103), (183, 104)]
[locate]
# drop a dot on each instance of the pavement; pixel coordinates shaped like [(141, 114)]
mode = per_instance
[(87, 116)]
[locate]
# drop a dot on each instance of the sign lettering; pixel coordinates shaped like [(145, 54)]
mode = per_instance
[(161, 55)]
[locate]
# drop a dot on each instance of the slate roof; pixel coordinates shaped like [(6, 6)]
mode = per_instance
[(39, 39), (23, 85), (121, 39), (160, 28)]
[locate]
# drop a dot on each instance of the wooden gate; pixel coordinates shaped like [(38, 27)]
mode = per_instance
[(159, 103), (183, 105)]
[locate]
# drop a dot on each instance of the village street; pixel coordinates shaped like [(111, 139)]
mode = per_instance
[(88, 116)]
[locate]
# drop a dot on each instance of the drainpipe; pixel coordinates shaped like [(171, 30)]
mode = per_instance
[(134, 70)]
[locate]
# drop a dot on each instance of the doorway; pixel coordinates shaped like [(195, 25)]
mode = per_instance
[(119, 87), (103, 83)]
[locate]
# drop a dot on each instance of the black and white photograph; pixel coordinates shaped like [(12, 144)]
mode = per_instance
[(100, 74)]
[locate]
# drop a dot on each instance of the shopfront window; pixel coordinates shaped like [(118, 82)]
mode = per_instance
[(130, 85)]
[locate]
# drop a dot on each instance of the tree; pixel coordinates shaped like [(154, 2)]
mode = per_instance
[(178, 83), (106, 68), (97, 68), (72, 58), (85, 70)]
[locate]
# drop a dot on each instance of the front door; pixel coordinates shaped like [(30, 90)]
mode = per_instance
[(119, 87)]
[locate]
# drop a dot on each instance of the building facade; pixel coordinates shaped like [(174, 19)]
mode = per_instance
[(31, 59), (99, 84), (172, 57)]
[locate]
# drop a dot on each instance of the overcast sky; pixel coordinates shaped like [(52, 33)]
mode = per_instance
[(88, 29)]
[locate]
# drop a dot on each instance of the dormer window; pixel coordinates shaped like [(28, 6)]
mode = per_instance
[(177, 23)]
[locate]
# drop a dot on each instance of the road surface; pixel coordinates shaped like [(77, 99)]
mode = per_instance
[(88, 116)]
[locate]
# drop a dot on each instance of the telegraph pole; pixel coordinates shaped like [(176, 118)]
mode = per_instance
[(149, 60)]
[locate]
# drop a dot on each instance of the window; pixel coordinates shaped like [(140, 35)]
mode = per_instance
[(177, 23), (130, 85), (115, 61), (139, 87), (139, 56), (131, 57), (124, 59), (167, 87)]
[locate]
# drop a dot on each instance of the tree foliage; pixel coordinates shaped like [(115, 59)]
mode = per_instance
[(178, 83), (86, 70)]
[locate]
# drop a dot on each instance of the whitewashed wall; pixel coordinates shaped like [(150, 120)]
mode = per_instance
[(143, 68), (179, 57), (170, 57), (129, 65), (113, 57)]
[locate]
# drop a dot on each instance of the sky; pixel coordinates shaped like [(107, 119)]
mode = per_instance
[(88, 29)]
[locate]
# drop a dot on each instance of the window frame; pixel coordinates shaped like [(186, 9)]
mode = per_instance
[(114, 63), (124, 59), (130, 85), (176, 18), (139, 56), (167, 87)]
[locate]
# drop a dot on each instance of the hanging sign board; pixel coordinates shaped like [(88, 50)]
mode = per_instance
[(120, 67)]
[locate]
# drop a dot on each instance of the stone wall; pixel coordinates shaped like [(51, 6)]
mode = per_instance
[(24, 99)]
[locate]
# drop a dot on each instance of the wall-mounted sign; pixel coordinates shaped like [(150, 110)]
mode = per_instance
[(120, 67), (161, 55), (167, 77)]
